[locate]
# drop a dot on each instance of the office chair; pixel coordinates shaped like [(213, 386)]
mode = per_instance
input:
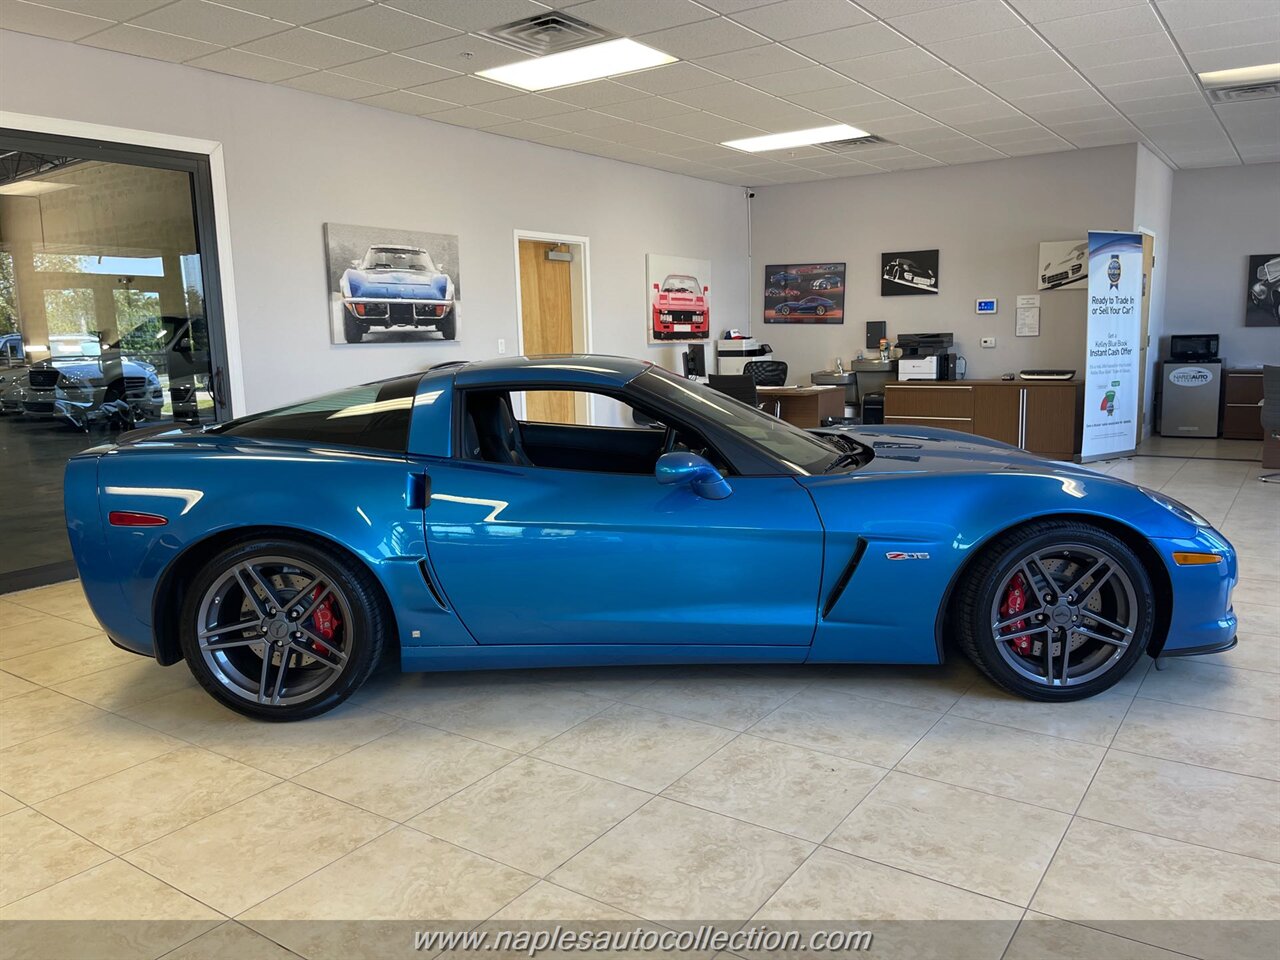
[(767, 373), (740, 387), (1270, 412)]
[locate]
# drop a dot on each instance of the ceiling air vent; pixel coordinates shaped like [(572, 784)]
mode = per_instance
[(843, 146), (1244, 91), (546, 33)]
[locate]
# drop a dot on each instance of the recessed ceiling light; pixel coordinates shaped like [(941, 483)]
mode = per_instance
[(1262, 73), (796, 138), (608, 59), (32, 188)]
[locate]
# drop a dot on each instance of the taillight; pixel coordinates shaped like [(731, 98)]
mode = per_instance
[(129, 518), (360, 309)]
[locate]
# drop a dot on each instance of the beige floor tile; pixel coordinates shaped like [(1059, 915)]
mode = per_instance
[(282, 749), (1014, 764), (1258, 618), (611, 683), (933, 688), (1206, 684), (231, 941), (1260, 591), (8, 804), (1040, 937), (401, 876), (38, 634), (670, 862), (57, 762), (11, 686), (989, 845), (1223, 741), (69, 660), (111, 912), (39, 712), (834, 890), (638, 747), (724, 699), (401, 774), (512, 714), (1163, 892), (1254, 651), (1226, 811), (777, 785), (130, 683), (871, 731), (1094, 720), (494, 816), (253, 849), (180, 788), (36, 853), (66, 600), (13, 615)]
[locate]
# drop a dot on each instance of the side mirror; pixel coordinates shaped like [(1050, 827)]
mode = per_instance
[(691, 469)]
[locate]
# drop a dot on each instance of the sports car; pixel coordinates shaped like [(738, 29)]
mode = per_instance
[(911, 274), (784, 277), (1072, 268), (829, 282), (1265, 293), (680, 309), (815, 305), (394, 286), (282, 553)]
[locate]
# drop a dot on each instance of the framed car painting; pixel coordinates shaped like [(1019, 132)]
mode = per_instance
[(391, 286), (679, 295), (909, 273), (1262, 304), (1063, 265), (804, 293)]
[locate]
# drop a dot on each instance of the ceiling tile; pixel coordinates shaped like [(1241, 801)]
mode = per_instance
[(118, 10), (1104, 115), (1141, 89), (468, 14), (957, 20), (251, 66), (1124, 22), (799, 18), (934, 101), (1205, 60), (849, 43), (1252, 122), (521, 130), (913, 123), (885, 66), (209, 21), (799, 81), (581, 121), (1028, 148), (402, 101), (1015, 68), (646, 110), (1126, 50), (47, 22), (973, 154), (1184, 106), (703, 39), (1066, 100), (1131, 70), (729, 7), (466, 54), (992, 110), (149, 43), (598, 93), (705, 126), (926, 81), (568, 141), (466, 91), (1237, 33), (847, 95), (530, 107), (1043, 11), (755, 62), (383, 27), (297, 12), (1038, 86), (1188, 14), (900, 8), (866, 115), (670, 78), (1016, 42), (334, 85), (473, 117), (1261, 154), (628, 18), (1012, 127), (312, 49), (395, 71)]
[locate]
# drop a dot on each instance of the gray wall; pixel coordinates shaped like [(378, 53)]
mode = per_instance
[(1152, 207), (987, 220), (1220, 217), (296, 160)]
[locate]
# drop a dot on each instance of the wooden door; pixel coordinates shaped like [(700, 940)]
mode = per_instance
[(997, 411), (1050, 415), (546, 314)]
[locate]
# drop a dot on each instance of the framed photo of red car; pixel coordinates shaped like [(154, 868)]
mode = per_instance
[(679, 296), (804, 293), (909, 273), (391, 286)]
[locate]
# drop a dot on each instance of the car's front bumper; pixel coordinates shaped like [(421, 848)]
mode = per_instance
[(1201, 619)]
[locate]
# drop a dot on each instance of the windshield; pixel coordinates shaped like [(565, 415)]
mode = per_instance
[(60, 347), (397, 258), (801, 451), (681, 285)]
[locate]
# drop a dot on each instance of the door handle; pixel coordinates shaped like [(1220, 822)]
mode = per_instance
[(417, 490)]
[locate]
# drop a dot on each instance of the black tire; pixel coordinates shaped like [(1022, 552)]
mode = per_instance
[(820, 310), (365, 627), (784, 310), (353, 330), (991, 572), (448, 325)]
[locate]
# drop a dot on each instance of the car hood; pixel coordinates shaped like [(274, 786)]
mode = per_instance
[(401, 284), (94, 366), (675, 296)]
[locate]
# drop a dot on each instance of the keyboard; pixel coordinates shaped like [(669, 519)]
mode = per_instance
[(1047, 374)]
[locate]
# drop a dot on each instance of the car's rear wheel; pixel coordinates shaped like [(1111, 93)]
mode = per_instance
[(448, 325), (784, 310), (820, 310), (353, 330), (281, 630), (1056, 611)]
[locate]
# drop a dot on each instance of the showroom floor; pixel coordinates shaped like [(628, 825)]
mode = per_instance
[(850, 797)]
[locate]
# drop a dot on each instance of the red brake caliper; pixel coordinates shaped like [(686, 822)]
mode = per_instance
[(1015, 601), (324, 622)]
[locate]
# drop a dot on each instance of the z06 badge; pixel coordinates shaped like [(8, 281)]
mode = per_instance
[(896, 555)]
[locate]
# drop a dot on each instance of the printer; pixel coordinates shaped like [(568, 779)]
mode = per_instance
[(926, 356), (732, 355)]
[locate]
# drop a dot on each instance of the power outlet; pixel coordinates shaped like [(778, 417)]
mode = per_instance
[(502, 346), (988, 342)]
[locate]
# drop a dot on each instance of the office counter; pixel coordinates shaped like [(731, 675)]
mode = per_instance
[(805, 406)]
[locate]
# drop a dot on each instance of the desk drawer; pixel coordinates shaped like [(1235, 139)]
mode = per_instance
[(928, 401), (1243, 388)]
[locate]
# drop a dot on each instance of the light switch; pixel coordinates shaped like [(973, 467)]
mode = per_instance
[(502, 346), (988, 342)]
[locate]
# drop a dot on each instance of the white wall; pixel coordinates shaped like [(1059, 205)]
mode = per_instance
[(296, 160), (1220, 217), (1152, 203), (986, 219)]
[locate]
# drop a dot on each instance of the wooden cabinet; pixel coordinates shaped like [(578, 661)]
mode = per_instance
[(1241, 415), (1040, 416)]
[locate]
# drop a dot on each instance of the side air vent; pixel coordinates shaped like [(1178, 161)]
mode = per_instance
[(1244, 91), (552, 32), (843, 146)]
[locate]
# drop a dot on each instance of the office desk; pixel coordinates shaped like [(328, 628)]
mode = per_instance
[(805, 406), (858, 379)]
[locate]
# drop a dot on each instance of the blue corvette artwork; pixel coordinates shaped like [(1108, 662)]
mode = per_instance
[(814, 305), (396, 286), (281, 554)]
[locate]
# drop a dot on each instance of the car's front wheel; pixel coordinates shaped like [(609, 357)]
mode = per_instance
[(784, 310), (1056, 610), (282, 630), (353, 330), (448, 325)]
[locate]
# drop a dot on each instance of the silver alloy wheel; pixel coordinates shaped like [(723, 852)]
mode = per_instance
[(1065, 615), (274, 632)]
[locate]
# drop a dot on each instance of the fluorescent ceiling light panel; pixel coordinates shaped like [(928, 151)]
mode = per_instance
[(1262, 73), (796, 138), (32, 188), (609, 59)]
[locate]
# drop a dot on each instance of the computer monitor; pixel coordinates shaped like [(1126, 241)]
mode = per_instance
[(695, 360)]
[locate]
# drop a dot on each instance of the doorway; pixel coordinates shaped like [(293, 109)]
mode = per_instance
[(110, 319), (552, 287)]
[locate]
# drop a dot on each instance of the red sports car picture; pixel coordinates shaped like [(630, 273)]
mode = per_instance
[(680, 309)]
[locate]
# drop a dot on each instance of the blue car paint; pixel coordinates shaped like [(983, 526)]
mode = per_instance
[(542, 567), (396, 285)]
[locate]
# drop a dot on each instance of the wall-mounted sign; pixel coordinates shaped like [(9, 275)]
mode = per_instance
[(1112, 363)]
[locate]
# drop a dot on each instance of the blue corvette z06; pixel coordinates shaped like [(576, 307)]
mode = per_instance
[(280, 554)]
